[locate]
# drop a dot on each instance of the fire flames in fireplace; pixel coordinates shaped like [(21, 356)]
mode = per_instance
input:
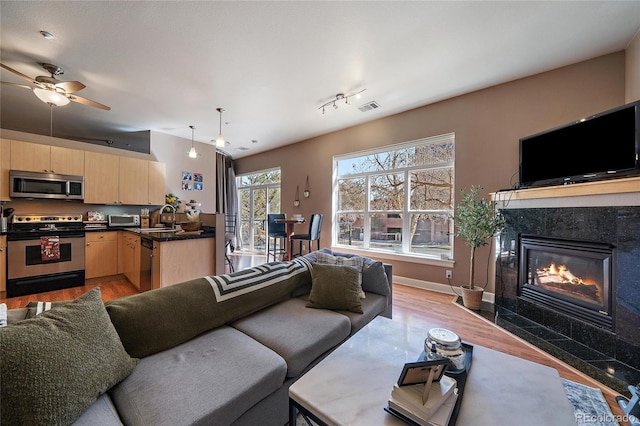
[(559, 278), (572, 277)]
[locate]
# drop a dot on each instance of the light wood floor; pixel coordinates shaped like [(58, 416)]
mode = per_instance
[(415, 307)]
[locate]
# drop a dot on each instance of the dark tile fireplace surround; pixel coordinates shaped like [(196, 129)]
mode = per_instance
[(606, 347)]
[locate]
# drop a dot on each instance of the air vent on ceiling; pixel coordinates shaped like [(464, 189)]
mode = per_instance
[(242, 148), (369, 106)]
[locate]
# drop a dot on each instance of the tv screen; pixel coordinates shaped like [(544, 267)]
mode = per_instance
[(604, 146)]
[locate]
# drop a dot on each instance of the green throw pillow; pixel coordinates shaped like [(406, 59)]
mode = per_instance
[(335, 287), (356, 262), (55, 365)]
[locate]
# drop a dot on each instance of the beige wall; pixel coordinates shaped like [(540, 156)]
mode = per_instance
[(633, 70), (487, 124)]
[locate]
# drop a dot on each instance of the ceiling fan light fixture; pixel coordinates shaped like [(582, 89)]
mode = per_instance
[(51, 97)]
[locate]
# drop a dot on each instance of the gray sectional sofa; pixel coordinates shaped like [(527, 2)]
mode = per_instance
[(224, 350)]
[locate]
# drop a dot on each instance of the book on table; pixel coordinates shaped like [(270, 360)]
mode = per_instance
[(440, 417), (408, 400)]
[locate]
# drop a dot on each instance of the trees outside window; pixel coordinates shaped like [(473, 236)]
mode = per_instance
[(397, 199)]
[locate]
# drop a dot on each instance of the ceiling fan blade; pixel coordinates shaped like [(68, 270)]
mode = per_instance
[(89, 102), (24, 86), (71, 86), (18, 73)]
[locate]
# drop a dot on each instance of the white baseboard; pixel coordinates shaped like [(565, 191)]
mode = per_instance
[(438, 287)]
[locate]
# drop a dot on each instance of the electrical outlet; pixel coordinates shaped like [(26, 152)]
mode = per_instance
[(448, 274)]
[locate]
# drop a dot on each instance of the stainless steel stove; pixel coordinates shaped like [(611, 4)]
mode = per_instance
[(44, 252)]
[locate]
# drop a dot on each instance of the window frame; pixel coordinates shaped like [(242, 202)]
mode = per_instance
[(405, 252)]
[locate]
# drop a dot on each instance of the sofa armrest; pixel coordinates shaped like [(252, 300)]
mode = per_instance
[(388, 269)]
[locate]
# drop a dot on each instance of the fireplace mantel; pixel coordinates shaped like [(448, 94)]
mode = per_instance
[(613, 192)]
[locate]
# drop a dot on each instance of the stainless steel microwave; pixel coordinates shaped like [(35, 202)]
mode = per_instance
[(45, 185)]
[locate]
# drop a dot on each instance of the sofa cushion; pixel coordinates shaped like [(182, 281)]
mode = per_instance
[(210, 380), (372, 306), (160, 319), (335, 287), (100, 413), (296, 333), (54, 366)]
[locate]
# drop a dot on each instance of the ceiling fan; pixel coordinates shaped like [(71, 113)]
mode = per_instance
[(52, 91)]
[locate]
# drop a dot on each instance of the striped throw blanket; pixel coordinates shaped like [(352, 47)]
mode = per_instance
[(242, 282)]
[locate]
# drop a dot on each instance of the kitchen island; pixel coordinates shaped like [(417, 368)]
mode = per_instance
[(176, 257)]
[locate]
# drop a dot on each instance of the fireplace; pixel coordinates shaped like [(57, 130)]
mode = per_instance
[(572, 277)]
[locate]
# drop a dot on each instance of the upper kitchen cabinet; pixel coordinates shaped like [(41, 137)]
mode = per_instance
[(111, 179), (35, 157), (157, 182), (134, 181), (5, 165), (101, 180)]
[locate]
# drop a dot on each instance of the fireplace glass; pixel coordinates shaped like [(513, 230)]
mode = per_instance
[(571, 277)]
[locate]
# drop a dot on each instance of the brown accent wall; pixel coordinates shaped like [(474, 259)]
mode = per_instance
[(487, 124)]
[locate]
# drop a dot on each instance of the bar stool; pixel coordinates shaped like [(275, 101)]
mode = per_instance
[(315, 226), (276, 232)]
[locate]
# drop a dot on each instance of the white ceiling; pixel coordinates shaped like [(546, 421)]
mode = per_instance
[(165, 65)]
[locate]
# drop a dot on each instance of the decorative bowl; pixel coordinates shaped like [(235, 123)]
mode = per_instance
[(190, 226)]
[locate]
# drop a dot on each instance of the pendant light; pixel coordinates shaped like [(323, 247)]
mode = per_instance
[(220, 139), (192, 151)]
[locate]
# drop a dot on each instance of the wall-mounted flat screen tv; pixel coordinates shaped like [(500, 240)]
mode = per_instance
[(603, 146)]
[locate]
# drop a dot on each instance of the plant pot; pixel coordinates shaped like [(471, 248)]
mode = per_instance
[(472, 298)]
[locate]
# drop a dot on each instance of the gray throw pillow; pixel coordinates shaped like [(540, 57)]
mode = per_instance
[(55, 365), (374, 279), (335, 287)]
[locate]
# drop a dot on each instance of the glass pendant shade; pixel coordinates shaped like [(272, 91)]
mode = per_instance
[(220, 141), (193, 153), (51, 97)]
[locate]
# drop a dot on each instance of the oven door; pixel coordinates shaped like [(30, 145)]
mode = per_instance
[(28, 271)]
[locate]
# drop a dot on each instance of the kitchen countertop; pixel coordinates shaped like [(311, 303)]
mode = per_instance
[(208, 232)]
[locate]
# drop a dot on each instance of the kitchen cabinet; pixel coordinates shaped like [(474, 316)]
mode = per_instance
[(129, 256), (101, 179), (35, 157), (5, 166), (177, 261), (3, 263), (112, 179), (133, 181), (101, 254)]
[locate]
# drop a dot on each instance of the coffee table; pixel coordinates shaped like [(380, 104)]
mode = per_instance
[(352, 385)]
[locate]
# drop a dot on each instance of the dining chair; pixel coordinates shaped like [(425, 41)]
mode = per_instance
[(229, 238), (276, 232), (315, 226)]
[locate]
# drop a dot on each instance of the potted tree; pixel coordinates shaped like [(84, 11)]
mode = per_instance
[(476, 221)]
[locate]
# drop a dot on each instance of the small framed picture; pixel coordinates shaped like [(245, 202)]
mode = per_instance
[(423, 372)]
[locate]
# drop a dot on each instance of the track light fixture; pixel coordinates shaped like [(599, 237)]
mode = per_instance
[(340, 97), (220, 142), (192, 152)]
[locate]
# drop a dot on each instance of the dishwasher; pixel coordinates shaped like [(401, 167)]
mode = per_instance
[(146, 262)]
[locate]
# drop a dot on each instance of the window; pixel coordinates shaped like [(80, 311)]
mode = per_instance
[(258, 195), (397, 199)]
